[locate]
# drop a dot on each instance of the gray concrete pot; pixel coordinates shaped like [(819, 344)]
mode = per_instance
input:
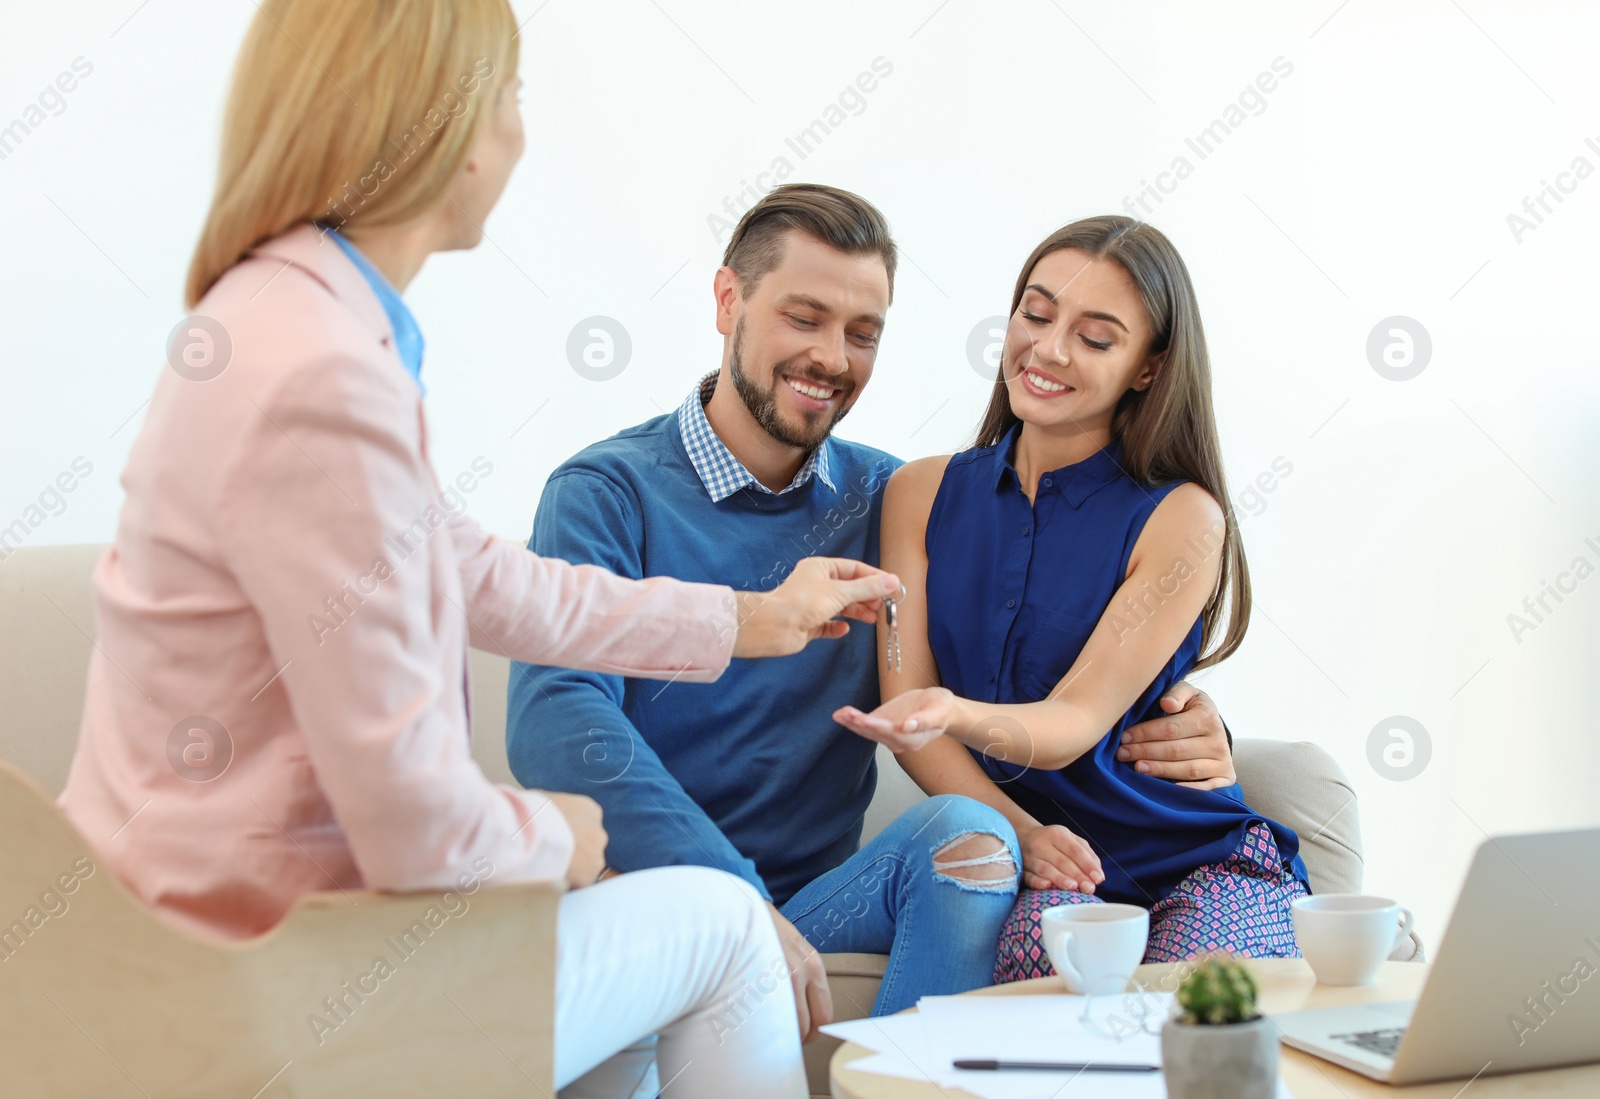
[(1231, 1061)]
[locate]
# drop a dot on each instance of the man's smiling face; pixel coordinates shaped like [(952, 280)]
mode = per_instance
[(805, 339)]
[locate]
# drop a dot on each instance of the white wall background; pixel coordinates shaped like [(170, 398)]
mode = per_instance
[(1375, 182)]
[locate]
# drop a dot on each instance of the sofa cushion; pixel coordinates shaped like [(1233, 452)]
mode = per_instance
[(1299, 785), (47, 605), (853, 980)]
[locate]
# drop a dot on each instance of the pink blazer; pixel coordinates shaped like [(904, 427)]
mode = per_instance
[(277, 700)]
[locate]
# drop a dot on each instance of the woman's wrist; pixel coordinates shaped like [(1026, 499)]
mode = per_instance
[(963, 721), (745, 639), (1025, 828), (755, 635)]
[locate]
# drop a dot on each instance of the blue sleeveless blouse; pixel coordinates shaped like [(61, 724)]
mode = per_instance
[(1014, 591)]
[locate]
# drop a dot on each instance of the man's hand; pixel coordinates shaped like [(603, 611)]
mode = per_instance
[(588, 835), (813, 1003), (1190, 747), (1055, 858)]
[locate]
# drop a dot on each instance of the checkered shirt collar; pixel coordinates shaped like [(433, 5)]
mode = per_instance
[(722, 473)]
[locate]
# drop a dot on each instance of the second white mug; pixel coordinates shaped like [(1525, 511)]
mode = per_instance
[(1095, 947), (1347, 936)]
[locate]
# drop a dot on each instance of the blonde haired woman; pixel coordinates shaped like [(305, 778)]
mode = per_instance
[(287, 575)]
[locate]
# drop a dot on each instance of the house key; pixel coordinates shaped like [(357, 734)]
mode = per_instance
[(890, 604)]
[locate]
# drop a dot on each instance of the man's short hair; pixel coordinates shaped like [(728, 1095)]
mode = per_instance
[(837, 218)]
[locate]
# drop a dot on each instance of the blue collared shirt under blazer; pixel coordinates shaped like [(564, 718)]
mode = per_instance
[(408, 342)]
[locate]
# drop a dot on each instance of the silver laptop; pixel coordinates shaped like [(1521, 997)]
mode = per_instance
[(1515, 984)]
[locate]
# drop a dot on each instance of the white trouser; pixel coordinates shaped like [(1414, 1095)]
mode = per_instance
[(687, 954)]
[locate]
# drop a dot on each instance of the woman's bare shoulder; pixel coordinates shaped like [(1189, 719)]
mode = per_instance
[(914, 485)]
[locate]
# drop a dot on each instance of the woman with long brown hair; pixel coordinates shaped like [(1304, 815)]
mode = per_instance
[(288, 573), (1061, 575)]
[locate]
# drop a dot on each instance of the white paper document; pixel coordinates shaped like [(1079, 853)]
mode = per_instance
[(1020, 1028)]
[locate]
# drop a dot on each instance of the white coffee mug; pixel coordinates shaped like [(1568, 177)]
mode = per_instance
[(1347, 936), (1095, 947)]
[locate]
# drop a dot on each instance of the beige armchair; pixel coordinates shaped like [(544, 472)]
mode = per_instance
[(353, 994), (98, 997), (47, 607)]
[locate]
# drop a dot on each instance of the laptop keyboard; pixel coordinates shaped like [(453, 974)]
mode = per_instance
[(1384, 1042)]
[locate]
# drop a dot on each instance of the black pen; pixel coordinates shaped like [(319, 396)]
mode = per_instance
[(1052, 1066)]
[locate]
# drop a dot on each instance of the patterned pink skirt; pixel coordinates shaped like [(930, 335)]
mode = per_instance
[(1240, 905)]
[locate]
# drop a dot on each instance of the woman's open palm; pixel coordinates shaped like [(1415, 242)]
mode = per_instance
[(906, 722)]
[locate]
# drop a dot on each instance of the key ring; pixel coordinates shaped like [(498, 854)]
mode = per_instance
[(892, 653)]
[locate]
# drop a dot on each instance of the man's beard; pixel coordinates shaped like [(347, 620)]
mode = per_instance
[(763, 403)]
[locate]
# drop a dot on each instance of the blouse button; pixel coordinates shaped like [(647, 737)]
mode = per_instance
[(1048, 481), (1024, 530), (1011, 603)]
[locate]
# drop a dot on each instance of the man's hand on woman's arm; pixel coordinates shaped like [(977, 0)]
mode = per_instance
[(1189, 746)]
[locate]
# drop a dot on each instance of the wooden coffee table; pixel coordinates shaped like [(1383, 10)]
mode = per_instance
[(1286, 985)]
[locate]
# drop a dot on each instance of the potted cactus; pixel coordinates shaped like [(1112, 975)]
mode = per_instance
[(1218, 1046)]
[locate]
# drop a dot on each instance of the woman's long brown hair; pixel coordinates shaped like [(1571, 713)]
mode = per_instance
[(1168, 431)]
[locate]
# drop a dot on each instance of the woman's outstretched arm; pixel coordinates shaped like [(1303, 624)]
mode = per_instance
[(1126, 654), (1052, 856)]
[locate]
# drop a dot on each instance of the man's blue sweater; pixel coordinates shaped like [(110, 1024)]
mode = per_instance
[(749, 774)]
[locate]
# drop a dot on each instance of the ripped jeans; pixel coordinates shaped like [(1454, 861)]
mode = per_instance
[(932, 891)]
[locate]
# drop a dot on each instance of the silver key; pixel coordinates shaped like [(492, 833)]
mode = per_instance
[(890, 606)]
